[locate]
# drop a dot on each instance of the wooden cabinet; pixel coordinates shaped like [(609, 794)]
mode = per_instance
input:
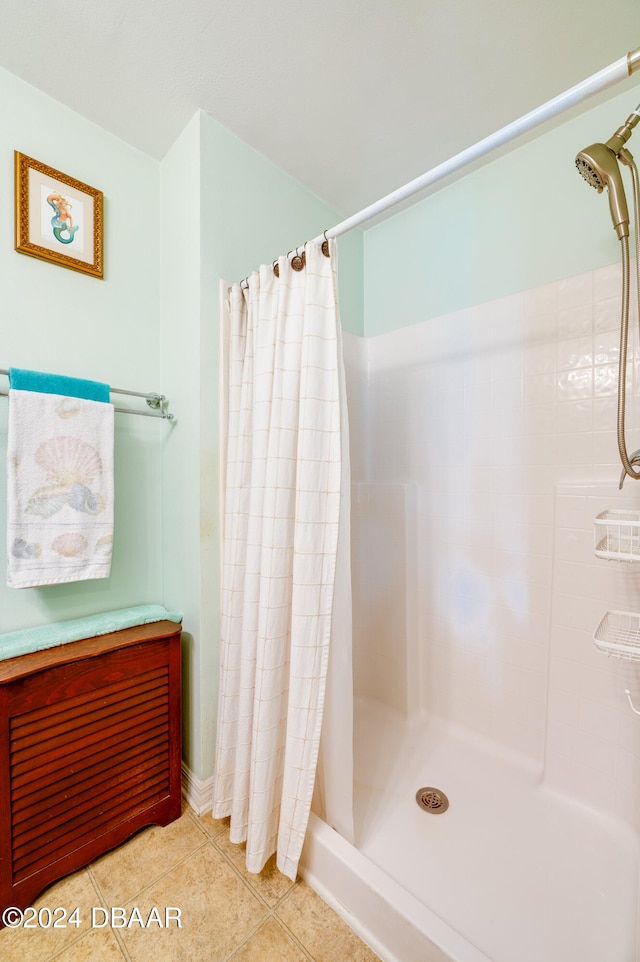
[(90, 752)]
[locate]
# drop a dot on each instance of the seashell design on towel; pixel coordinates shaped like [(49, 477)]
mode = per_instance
[(68, 407), (23, 549), (82, 499), (71, 464), (104, 546), (46, 501), (68, 460), (70, 545)]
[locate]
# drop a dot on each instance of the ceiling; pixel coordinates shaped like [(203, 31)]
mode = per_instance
[(351, 97)]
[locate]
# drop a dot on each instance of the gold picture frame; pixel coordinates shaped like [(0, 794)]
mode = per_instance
[(72, 237)]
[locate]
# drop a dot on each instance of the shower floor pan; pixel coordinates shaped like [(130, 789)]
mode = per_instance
[(511, 871)]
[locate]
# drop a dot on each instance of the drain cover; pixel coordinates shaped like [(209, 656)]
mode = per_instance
[(432, 800)]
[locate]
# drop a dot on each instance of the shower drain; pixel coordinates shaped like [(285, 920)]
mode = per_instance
[(432, 800)]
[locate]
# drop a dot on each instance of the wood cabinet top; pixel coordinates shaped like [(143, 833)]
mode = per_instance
[(12, 669)]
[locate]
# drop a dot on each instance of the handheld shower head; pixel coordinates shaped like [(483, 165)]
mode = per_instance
[(598, 165)]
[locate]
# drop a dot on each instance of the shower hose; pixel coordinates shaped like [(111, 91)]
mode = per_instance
[(627, 461)]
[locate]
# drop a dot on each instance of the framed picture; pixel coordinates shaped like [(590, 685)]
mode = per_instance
[(58, 218)]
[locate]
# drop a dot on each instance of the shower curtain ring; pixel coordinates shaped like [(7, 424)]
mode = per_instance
[(298, 261), (276, 268), (325, 245)]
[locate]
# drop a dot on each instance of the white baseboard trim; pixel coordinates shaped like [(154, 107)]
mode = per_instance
[(196, 793)]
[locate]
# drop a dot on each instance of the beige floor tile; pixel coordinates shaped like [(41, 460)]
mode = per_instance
[(37, 944), (270, 944), (96, 946), (212, 826), (218, 912), (125, 871), (270, 883), (323, 933), (223, 915)]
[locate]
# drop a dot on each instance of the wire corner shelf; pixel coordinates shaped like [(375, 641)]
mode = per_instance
[(618, 634), (617, 535)]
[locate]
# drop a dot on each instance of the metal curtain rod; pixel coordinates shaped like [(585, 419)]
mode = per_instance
[(607, 77), (155, 401)]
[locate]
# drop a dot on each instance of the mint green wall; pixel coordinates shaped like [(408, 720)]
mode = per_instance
[(180, 322), (213, 207), (522, 220), (254, 212), (237, 210), (59, 320)]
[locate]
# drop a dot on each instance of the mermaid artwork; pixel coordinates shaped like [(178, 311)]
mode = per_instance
[(62, 221)]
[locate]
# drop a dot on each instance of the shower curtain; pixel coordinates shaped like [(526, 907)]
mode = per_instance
[(285, 561)]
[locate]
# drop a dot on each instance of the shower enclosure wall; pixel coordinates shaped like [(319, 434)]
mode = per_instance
[(483, 445)]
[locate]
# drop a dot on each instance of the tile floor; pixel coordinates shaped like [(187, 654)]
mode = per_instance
[(226, 914)]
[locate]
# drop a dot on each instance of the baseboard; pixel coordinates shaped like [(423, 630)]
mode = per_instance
[(196, 793)]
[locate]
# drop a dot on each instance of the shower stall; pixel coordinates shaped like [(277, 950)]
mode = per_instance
[(477, 473), (496, 749)]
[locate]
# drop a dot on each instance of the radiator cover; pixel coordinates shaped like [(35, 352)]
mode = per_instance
[(89, 752)]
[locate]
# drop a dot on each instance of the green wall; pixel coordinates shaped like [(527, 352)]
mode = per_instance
[(524, 219), (212, 208), (253, 212), (59, 320)]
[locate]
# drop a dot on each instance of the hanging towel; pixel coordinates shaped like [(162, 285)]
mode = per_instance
[(22, 380), (59, 481)]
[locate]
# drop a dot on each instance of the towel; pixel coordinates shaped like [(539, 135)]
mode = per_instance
[(59, 486), (26, 640), (22, 380)]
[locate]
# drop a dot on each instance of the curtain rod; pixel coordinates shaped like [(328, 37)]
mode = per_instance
[(155, 401), (607, 77)]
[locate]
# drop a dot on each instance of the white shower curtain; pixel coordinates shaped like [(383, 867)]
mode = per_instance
[(284, 483)]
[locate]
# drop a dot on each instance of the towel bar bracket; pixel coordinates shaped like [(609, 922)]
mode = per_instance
[(158, 402)]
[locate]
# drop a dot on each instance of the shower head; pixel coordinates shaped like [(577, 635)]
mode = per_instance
[(598, 165)]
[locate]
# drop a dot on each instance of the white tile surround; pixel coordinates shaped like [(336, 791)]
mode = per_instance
[(492, 432)]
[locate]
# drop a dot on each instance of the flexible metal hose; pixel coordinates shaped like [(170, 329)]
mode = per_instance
[(627, 461)]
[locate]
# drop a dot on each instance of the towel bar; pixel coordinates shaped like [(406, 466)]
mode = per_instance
[(155, 401)]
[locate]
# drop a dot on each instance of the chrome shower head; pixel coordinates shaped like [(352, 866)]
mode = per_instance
[(598, 165)]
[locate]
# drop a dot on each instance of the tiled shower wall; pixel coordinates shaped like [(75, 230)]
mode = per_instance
[(494, 419)]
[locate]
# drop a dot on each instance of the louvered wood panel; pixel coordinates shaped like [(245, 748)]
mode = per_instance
[(90, 752)]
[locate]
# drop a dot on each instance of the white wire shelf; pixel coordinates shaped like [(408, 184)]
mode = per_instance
[(617, 535), (619, 634)]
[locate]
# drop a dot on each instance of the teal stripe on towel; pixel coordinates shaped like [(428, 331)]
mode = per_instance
[(15, 643), (42, 383)]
